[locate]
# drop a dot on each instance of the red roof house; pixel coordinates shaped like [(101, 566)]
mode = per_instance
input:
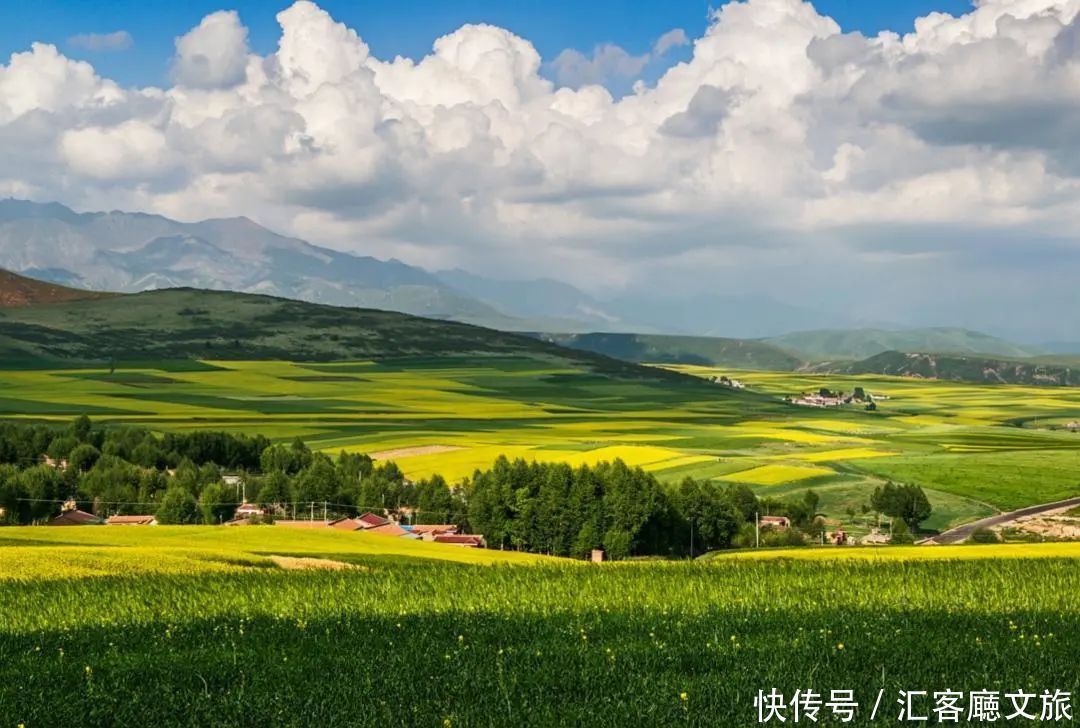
[(468, 540), (388, 529), (433, 528), (370, 520), (777, 521), (348, 524), (75, 517), (301, 524), (132, 521)]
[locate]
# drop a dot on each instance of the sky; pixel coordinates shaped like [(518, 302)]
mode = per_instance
[(914, 162), (403, 27)]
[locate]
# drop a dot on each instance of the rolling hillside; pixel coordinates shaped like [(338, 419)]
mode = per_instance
[(951, 367), (17, 291), (832, 344), (701, 350), (187, 323)]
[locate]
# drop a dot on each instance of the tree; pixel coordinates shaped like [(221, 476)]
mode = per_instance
[(712, 520), (83, 457), (907, 502), (900, 533), (275, 489), (217, 502), (81, 428), (177, 507), (61, 447)]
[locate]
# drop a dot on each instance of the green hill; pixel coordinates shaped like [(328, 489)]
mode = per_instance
[(702, 350), (832, 344), (957, 368), (185, 323)]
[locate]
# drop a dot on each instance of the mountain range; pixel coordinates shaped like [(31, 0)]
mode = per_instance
[(130, 252)]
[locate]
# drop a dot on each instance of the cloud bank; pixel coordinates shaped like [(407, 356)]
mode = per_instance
[(784, 154)]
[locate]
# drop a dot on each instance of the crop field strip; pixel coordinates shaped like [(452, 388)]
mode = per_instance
[(953, 439), (171, 626)]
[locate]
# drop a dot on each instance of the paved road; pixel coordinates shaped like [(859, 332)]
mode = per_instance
[(961, 533)]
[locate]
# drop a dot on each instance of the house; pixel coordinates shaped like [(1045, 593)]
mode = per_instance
[(348, 524), (247, 510), (775, 521), (53, 463), (389, 529), (819, 400), (433, 528), (75, 517), (288, 523), (467, 540), (147, 520), (370, 520)]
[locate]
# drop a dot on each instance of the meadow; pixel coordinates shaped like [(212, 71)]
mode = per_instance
[(974, 448), (213, 634)]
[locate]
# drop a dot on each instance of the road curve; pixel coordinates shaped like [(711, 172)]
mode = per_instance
[(961, 533)]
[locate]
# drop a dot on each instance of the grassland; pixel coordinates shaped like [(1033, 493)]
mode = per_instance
[(208, 632), (974, 448)]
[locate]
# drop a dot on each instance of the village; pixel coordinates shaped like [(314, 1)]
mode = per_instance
[(825, 398), (250, 514)]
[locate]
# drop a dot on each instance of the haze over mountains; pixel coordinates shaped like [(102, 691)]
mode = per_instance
[(131, 252)]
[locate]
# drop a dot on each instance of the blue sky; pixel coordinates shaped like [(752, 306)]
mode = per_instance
[(403, 27)]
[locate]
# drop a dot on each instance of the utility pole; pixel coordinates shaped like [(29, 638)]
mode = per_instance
[(757, 530), (324, 510), (312, 510), (691, 538)]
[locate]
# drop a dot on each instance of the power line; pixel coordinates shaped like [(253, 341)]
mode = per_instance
[(286, 504)]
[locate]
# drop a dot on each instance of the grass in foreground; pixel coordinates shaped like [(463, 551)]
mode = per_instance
[(430, 643)]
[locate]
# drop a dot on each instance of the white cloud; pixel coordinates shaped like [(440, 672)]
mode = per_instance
[(824, 150), (212, 55), (119, 40)]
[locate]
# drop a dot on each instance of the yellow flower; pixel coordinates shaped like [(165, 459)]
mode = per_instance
[(683, 697), (840, 646)]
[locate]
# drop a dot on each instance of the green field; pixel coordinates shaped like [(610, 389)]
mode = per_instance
[(196, 626), (974, 448)]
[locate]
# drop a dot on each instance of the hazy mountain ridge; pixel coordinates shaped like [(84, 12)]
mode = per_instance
[(700, 350), (855, 344), (560, 305), (135, 251), (958, 368)]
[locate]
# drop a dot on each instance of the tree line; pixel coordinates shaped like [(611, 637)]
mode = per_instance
[(549, 508)]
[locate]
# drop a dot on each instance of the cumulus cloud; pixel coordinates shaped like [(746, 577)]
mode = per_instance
[(119, 40), (212, 55), (783, 151)]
